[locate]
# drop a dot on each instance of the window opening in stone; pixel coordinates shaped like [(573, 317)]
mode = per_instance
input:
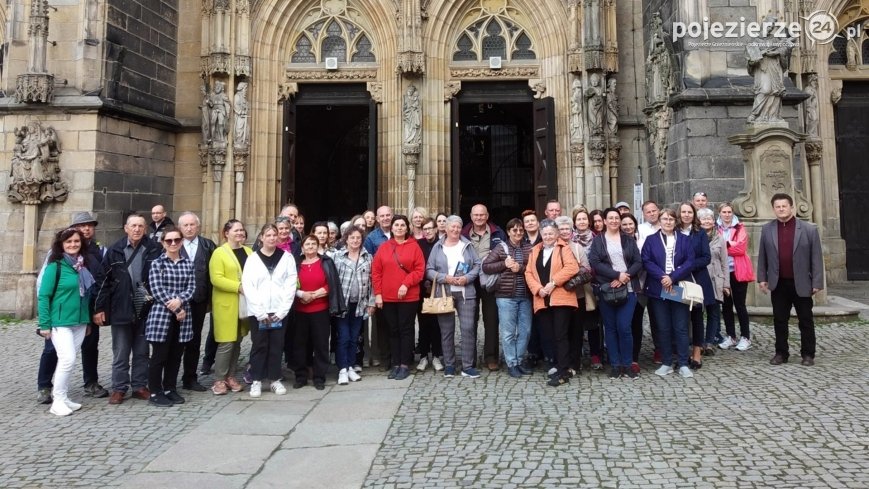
[(303, 52), (466, 50), (334, 45), (494, 44), (523, 48), (838, 55), (363, 52)]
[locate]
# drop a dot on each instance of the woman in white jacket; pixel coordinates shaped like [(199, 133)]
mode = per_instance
[(269, 281)]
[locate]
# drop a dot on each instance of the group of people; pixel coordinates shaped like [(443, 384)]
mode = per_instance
[(541, 287)]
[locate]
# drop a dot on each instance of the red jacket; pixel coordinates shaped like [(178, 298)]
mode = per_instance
[(387, 276)]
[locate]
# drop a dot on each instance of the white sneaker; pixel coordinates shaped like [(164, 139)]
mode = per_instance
[(256, 389), (59, 408), (357, 369), (727, 343), (353, 376), (685, 372), (664, 370), (278, 388), (423, 363), (72, 405), (552, 371), (437, 364), (342, 377), (744, 344)]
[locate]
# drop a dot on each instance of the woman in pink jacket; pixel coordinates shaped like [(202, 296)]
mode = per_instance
[(741, 274)]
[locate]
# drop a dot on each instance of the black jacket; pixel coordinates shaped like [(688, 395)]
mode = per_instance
[(156, 232), (205, 249), (114, 289), (599, 259), (337, 306)]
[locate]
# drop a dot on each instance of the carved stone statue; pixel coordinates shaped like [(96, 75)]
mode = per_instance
[(811, 105), (577, 122), (851, 55), (219, 108), (412, 116), (206, 116), (242, 109), (612, 109), (658, 65), (594, 95), (35, 173), (768, 60)]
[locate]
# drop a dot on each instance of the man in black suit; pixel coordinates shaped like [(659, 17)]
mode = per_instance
[(198, 250), (790, 264)]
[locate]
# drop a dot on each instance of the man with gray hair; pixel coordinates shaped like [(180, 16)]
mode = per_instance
[(484, 236), (198, 250)]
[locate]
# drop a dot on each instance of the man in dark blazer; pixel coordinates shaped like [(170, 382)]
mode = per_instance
[(198, 250), (790, 264)]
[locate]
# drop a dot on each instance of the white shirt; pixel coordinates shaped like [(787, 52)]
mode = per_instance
[(191, 246), (454, 257), (645, 230)]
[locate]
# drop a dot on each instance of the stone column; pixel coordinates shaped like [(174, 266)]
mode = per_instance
[(814, 152), (36, 85)]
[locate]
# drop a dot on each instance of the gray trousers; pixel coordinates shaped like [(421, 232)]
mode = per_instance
[(127, 339), (447, 322)]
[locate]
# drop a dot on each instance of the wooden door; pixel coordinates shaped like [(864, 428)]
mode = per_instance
[(288, 156), (852, 146), (545, 169)]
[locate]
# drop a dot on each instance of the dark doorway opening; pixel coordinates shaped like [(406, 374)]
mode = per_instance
[(330, 151), (332, 162), (852, 146), (496, 166)]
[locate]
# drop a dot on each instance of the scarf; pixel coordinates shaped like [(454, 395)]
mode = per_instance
[(85, 279), (583, 237)]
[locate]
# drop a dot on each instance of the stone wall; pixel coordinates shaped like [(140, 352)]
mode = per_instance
[(141, 53), (133, 171)]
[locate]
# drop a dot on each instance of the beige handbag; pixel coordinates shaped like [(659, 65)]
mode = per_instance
[(590, 302), (438, 305)]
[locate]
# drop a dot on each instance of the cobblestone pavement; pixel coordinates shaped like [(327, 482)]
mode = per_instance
[(739, 423), (94, 447)]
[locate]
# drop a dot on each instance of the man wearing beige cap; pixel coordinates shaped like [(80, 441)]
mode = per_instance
[(93, 253), (623, 208)]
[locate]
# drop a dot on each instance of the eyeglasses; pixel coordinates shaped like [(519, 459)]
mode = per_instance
[(699, 194), (172, 241)]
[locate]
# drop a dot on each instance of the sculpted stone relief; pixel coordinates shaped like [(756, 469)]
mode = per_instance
[(219, 109), (412, 117), (35, 172), (241, 108), (595, 101)]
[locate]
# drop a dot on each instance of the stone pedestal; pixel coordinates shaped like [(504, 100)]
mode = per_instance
[(768, 155), (25, 296)]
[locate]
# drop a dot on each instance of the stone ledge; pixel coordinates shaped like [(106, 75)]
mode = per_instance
[(836, 310)]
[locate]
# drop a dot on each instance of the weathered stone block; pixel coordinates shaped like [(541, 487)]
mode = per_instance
[(701, 127)]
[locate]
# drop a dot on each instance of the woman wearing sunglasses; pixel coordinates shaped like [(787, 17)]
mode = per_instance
[(169, 323)]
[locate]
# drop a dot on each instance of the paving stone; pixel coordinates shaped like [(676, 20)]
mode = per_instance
[(316, 468)]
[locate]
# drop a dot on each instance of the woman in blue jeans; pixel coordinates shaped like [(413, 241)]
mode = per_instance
[(668, 257), (512, 296), (354, 272), (616, 261)]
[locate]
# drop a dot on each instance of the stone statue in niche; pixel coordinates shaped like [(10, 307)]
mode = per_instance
[(811, 104), (219, 108), (658, 65), (412, 116), (851, 55), (768, 60), (35, 172), (612, 109), (242, 110), (206, 116), (577, 123), (594, 95)]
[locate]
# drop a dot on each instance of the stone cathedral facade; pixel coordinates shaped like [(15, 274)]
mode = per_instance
[(231, 108)]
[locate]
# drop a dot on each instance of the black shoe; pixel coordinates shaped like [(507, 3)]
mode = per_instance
[(94, 389), (206, 368), (557, 381), (402, 373), (393, 373), (615, 373), (514, 372), (778, 359), (808, 361), (160, 400), (319, 386), (175, 398), (525, 369), (694, 364), (44, 396), (194, 386), (299, 384), (629, 372)]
